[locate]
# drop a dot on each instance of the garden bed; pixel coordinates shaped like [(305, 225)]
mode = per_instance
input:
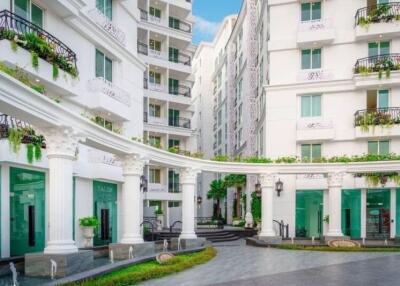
[(338, 249), (149, 270)]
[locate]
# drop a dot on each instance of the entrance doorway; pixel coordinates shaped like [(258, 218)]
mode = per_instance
[(309, 213), (378, 214), (105, 209), (27, 211), (351, 213)]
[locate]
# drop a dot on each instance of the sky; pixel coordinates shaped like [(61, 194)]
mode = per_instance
[(209, 14)]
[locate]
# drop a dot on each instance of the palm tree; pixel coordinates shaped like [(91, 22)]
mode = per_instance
[(217, 192), (238, 181)]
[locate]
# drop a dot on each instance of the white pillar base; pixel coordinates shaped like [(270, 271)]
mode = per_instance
[(335, 233), (188, 235), (267, 233), (61, 247)]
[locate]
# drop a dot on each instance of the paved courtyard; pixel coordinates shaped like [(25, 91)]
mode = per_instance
[(238, 264)]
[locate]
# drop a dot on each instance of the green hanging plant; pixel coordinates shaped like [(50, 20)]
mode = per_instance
[(14, 46), (14, 139), (38, 151), (29, 153), (55, 72), (35, 60)]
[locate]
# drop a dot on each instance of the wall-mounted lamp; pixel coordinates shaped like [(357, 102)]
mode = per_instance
[(279, 187)]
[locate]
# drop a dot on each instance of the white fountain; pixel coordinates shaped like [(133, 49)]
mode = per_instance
[(53, 269), (111, 256), (312, 240), (179, 243), (363, 241), (165, 246), (130, 254), (386, 242), (14, 274)]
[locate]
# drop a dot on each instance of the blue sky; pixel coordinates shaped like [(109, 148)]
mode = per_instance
[(209, 14)]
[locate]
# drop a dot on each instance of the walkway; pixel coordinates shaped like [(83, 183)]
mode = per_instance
[(238, 264)]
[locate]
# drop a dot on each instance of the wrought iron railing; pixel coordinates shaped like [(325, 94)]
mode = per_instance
[(377, 116), (181, 59), (180, 90), (142, 48), (380, 63), (12, 22), (7, 122), (283, 228), (379, 13), (144, 15), (179, 122)]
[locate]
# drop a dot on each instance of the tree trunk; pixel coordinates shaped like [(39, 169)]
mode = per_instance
[(218, 209), (238, 202)]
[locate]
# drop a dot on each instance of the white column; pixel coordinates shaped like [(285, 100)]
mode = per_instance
[(267, 182), (392, 213), (335, 181), (61, 145), (131, 202), (188, 178), (363, 213)]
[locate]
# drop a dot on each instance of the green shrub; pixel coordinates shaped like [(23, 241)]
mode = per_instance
[(150, 270), (89, 221)]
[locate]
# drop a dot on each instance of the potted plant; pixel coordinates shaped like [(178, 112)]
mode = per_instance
[(160, 218), (88, 224)]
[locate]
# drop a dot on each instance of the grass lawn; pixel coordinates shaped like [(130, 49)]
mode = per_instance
[(338, 249), (149, 270)]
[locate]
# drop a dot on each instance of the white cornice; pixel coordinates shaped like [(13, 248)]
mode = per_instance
[(19, 100)]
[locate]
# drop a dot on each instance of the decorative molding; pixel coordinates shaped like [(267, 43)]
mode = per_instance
[(132, 164), (61, 141), (335, 179), (107, 25), (267, 180), (100, 84), (188, 176)]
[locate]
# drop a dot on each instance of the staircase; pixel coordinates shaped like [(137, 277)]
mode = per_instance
[(213, 236)]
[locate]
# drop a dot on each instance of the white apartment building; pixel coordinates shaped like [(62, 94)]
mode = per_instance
[(321, 85), (165, 45)]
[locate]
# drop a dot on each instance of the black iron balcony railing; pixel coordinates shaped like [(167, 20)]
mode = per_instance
[(7, 122), (380, 13), (11, 23), (145, 117), (381, 63), (180, 90), (181, 59), (142, 48), (144, 15), (377, 116), (179, 122)]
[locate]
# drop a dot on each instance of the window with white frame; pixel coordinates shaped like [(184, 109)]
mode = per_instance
[(311, 105)]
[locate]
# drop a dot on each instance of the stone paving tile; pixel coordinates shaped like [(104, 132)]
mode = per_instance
[(239, 262)]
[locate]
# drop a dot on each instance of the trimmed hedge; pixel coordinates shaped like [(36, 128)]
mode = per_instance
[(149, 270)]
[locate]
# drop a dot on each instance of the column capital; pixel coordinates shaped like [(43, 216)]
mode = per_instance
[(267, 180), (335, 179), (61, 141), (132, 164), (188, 175)]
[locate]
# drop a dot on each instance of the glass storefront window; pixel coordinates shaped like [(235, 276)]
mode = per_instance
[(351, 213), (309, 213), (378, 213)]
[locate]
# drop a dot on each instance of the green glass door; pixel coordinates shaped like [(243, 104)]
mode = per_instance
[(378, 214), (105, 209), (309, 213), (351, 213), (173, 117), (27, 211), (173, 85)]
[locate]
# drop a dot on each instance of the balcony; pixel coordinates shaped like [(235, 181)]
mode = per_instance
[(313, 75), (379, 122), (316, 32), (21, 40), (375, 21), (179, 25), (314, 129), (381, 71), (179, 122), (101, 20), (109, 99), (180, 94)]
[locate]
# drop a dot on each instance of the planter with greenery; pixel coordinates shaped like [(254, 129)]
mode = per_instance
[(380, 13), (366, 119), (23, 77), (34, 143), (135, 274), (37, 45), (376, 179), (88, 224)]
